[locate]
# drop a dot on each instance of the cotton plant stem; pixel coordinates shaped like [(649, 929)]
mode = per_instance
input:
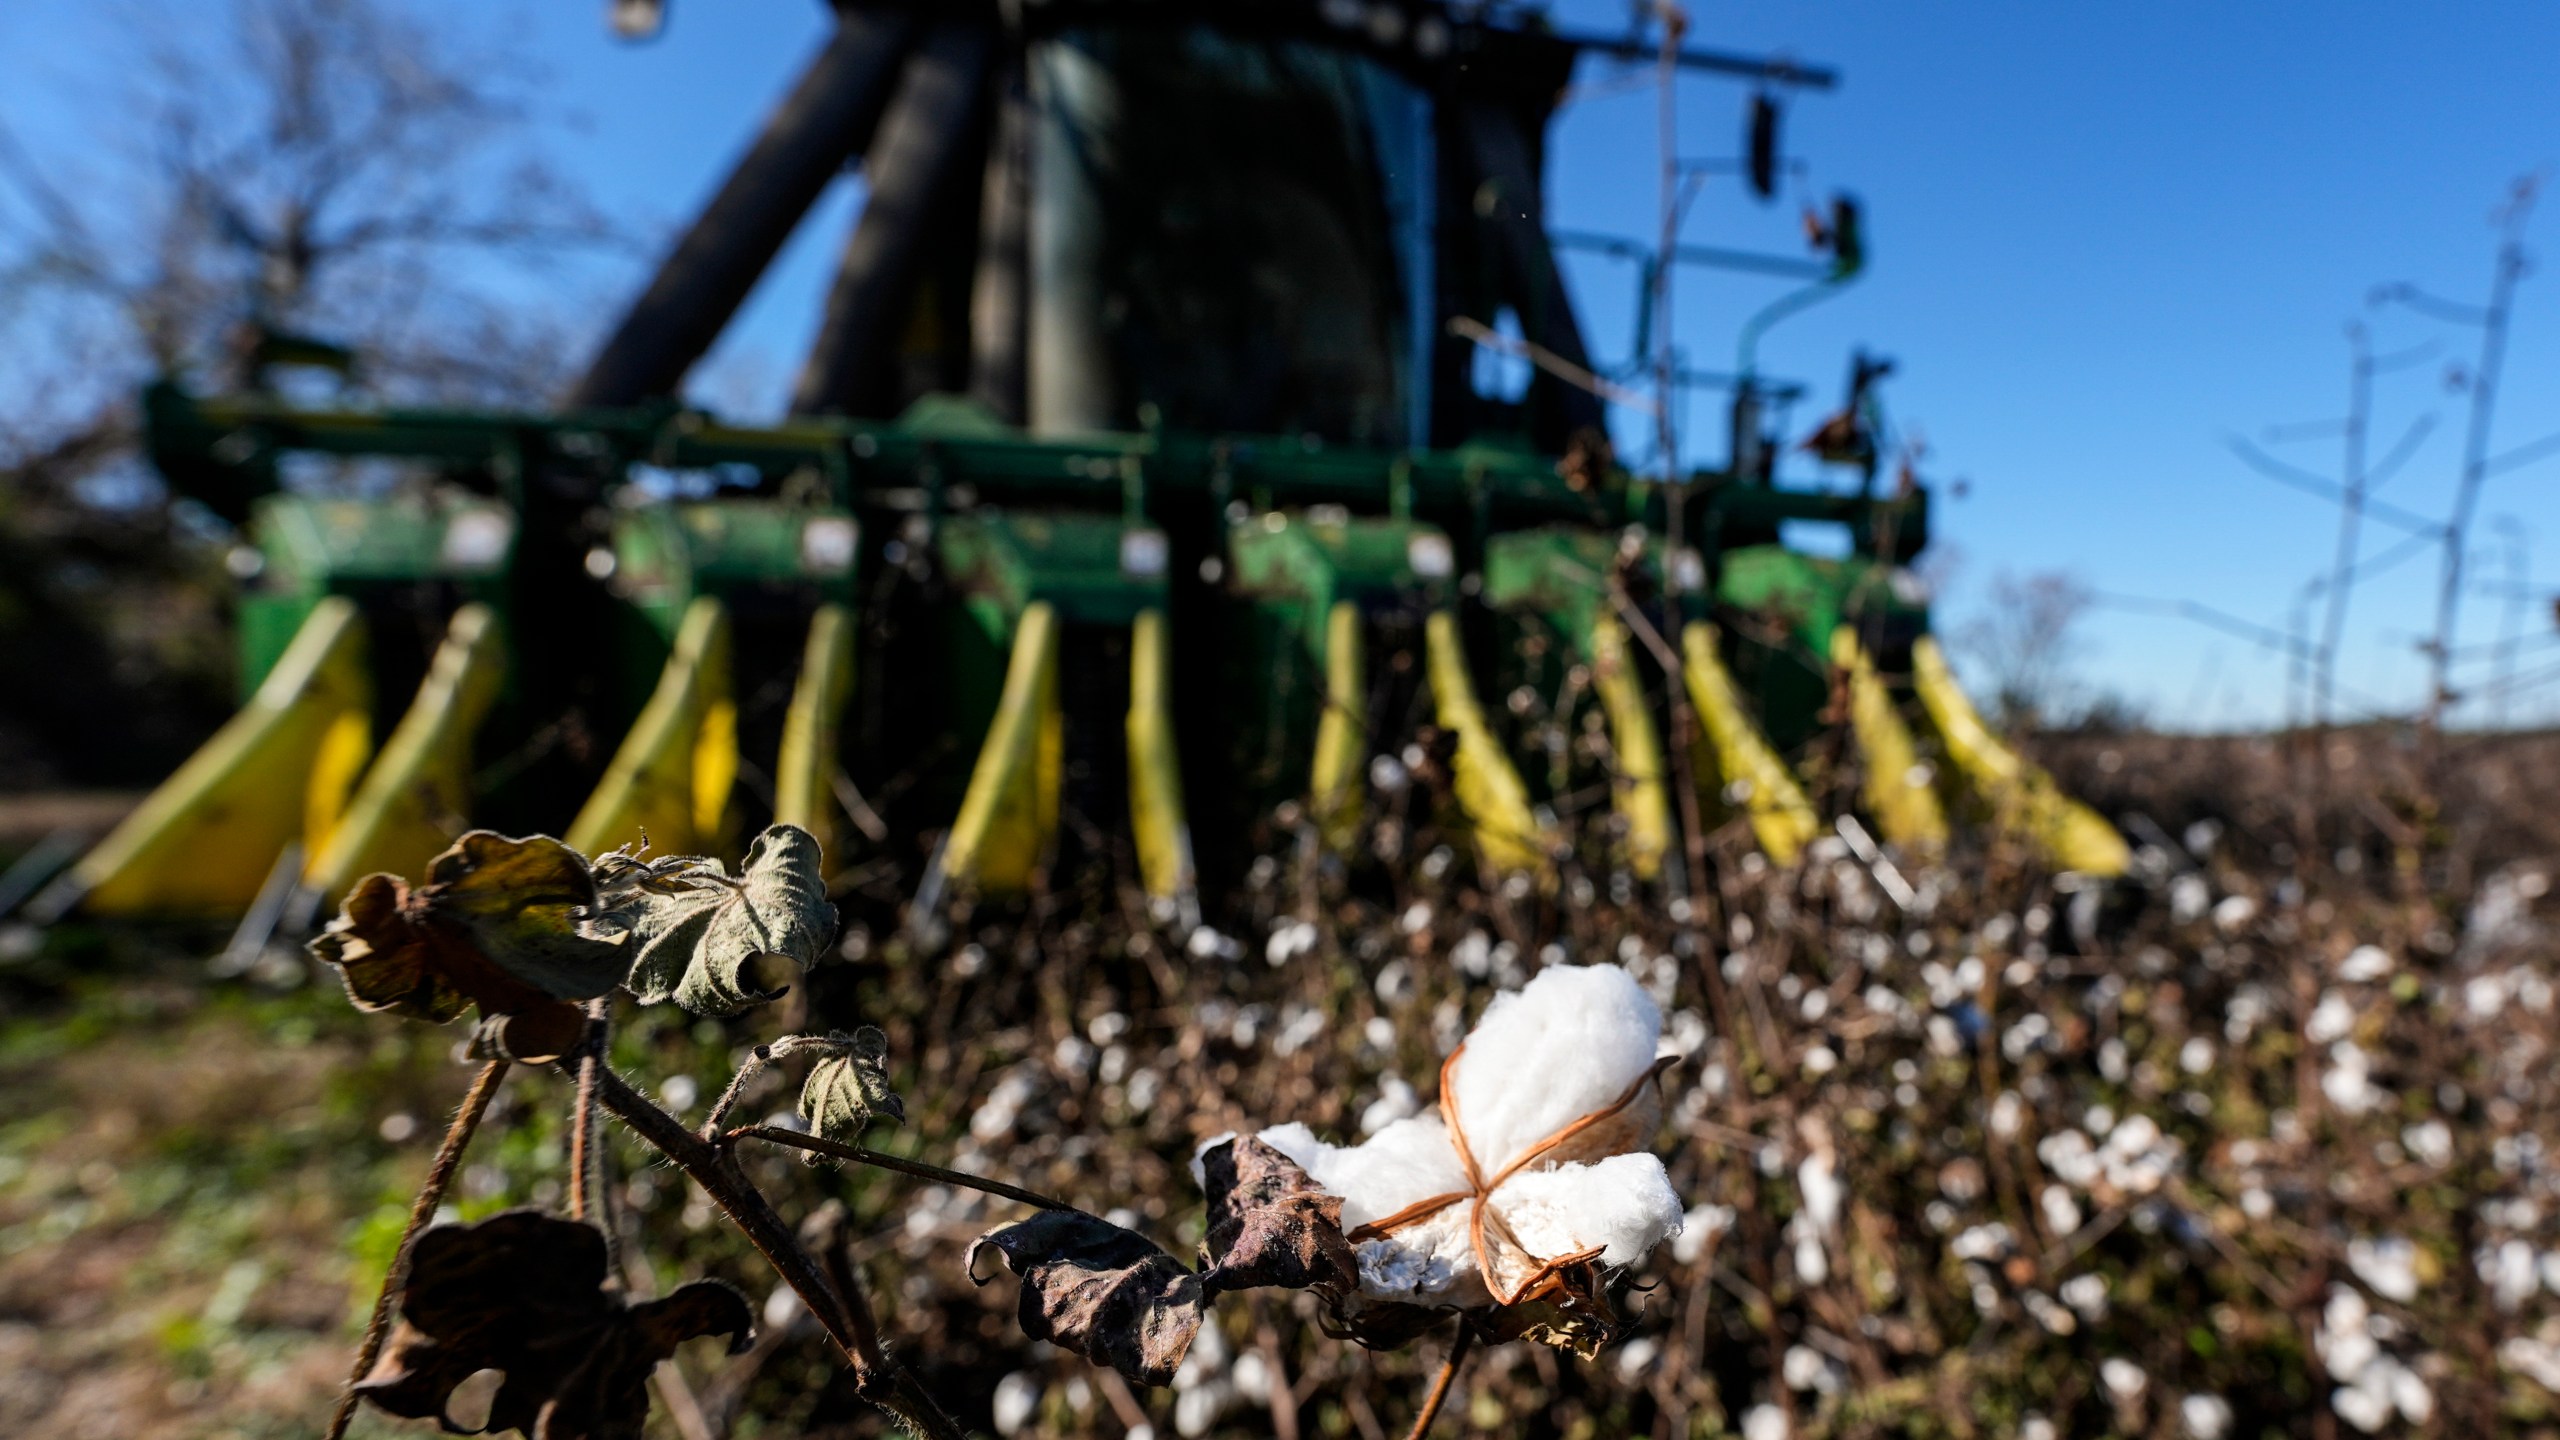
[(457, 1138), (878, 1378), (582, 1139), (1432, 1402), (899, 1163)]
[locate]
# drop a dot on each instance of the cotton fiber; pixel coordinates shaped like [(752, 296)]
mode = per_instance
[(1571, 1045)]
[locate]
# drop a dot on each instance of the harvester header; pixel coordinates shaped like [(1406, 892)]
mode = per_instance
[(1141, 492)]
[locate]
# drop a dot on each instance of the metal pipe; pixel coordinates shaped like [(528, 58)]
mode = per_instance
[(828, 117), (998, 302), (923, 140), (1503, 159)]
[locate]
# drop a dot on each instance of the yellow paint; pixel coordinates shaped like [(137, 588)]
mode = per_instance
[(2023, 798), (804, 776), (1898, 792), (1781, 818), (1010, 813), (1490, 790), (1155, 770), (278, 772), (417, 796), (670, 780), (1637, 789), (1342, 731)]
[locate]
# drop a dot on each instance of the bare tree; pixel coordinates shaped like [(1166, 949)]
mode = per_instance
[(2027, 639), (354, 182)]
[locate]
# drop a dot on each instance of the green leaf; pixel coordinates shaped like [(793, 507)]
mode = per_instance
[(850, 1085), (697, 928)]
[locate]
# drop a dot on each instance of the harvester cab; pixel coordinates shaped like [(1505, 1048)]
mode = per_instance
[(1138, 490)]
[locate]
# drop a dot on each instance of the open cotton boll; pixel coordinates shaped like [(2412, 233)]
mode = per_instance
[(1406, 1162), (1567, 1044), (1622, 1206)]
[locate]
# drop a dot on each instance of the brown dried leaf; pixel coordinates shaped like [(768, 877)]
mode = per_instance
[(1569, 1309), (1106, 1293), (500, 923), (1271, 1225), (522, 1293)]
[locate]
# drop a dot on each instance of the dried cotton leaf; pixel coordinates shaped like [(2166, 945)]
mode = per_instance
[(697, 928), (1106, 1293), (849, 1086)]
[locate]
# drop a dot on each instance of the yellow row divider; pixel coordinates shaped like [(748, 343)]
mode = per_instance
[(1341, 731), (1898, 792), (2024, 799), (417, 795), (1637, 791), (1782, 820), (276, 773), (804, 775), (1155, 770), (670, 781), (1010, 813), (1489, 788)]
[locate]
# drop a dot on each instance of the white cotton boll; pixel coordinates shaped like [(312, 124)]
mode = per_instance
[(2388, 1264), (1017, 1400), (781, 1307), (1473, 955), (1805, 1368), (2429, 1140), (2086, 1294), (2205, 1417), (1699, 1230), (1812, 1266), (2364, 965), (2331, 1019), (2234, 911), (2348, 1355), (1819, 1182), (1635, 1358), (2124, 1379), (2055, 1319), (1408, 1161), (2196, 1056), (1196, 1411), (1251, 1375), (2348, 1082), (1396, 1101), (1982, 1242), (1764, 1422), (2411, 1394), (2535, 1360), (1564, 1046), (2512, 1271), (2061, 1212), (2188, 897), (2365, 1409), (2036, 1427), (1622, 1206)]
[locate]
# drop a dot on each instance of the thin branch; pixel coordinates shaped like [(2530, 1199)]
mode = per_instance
[(878, 1377), (2452, 312), (457, 1138), (817, 1145), (2401, 451), (1448, 1375), (2327, 489), (2522, 455)]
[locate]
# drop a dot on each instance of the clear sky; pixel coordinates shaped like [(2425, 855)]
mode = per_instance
[(2102, 238)]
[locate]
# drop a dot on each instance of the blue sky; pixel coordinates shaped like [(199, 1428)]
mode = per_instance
[(2102, 237)]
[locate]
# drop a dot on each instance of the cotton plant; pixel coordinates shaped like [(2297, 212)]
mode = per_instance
[(1528, 1183)]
